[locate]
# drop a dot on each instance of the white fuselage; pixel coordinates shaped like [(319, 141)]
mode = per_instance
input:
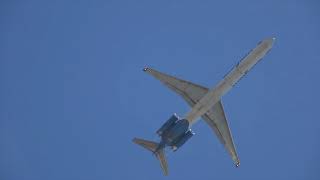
[(215, 94)]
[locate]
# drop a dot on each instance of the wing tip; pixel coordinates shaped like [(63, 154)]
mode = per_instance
[(237, 164), (145, 69), (135, 140)]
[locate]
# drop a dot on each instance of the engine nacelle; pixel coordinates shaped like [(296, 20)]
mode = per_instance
[(183, 139), (167, 125)]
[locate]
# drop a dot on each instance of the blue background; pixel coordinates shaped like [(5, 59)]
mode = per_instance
[(73, 94)]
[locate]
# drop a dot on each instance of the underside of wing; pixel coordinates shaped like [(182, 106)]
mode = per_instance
[(190, 92), (217, 120)]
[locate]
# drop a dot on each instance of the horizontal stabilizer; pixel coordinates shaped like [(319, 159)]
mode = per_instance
[(163, 162), (150, 145)]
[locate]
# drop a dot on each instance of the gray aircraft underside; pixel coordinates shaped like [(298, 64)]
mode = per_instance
[(205, 104)]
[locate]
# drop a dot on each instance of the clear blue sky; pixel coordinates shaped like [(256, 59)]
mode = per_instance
[(73, 94)]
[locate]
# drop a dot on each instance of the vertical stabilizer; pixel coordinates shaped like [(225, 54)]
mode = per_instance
[(158, 152)]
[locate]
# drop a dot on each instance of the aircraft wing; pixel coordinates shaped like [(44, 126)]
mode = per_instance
[(217, 120), (192, 93)]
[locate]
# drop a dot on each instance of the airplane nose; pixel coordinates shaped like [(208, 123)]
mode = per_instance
[(270, 41), (273, 39)]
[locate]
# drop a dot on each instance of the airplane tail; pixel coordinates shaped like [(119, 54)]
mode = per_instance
[(158, 152)]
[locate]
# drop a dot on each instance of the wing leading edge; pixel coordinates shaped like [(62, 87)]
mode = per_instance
[(192, 93)]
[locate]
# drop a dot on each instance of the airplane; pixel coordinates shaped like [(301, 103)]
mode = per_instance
[(205, 103)]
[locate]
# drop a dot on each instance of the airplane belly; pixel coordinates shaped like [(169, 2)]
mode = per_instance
[(214, 95)]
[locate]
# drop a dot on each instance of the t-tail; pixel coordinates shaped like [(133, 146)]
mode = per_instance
[(157, 149)]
